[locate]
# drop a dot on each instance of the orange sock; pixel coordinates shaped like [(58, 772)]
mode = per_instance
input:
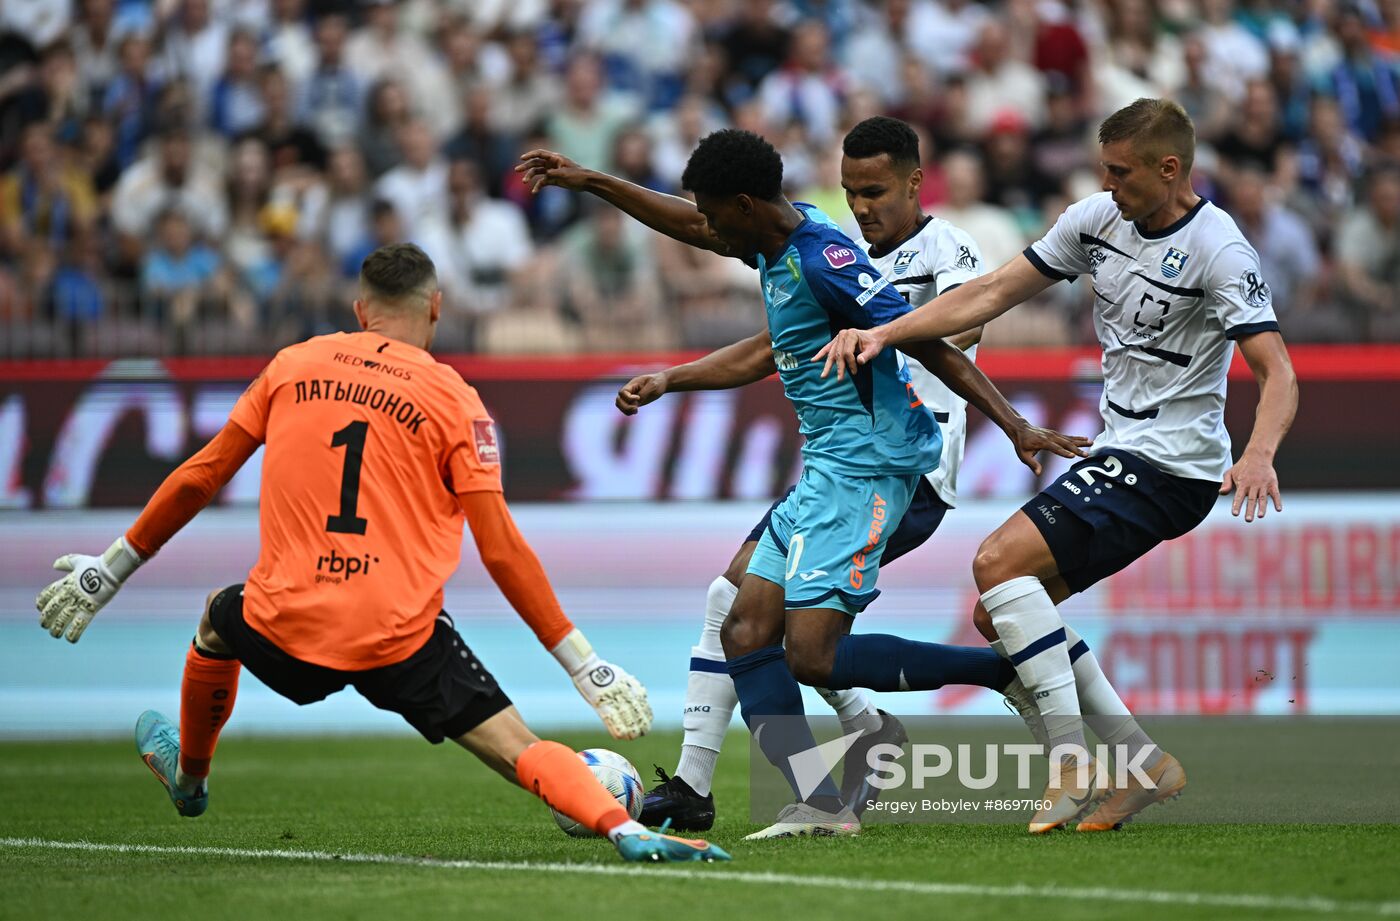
[(206, 700), (557, 775)]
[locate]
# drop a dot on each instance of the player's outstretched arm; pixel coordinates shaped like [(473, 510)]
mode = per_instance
[(738, 365), (968, 306), (1253, 479), (964, 378), (669, 214), (70, 603), (618, 698)]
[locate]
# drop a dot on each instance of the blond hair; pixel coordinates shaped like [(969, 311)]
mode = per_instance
[(1157, 128)]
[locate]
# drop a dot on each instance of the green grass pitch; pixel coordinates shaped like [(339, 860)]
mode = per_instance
[(452, 838)]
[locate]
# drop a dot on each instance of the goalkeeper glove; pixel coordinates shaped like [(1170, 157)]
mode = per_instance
[(73, 601), (619, 699)]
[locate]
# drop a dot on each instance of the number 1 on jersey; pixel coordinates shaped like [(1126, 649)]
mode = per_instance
[(352, 438)]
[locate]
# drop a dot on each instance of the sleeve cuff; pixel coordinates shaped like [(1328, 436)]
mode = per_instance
[(1043, 267), (1249, 329), (574, 652)]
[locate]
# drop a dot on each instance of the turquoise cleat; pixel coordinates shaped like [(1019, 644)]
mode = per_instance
[(158, 742), (654, 847)]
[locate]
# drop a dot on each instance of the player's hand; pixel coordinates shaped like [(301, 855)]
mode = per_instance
[(73, 601), (1254, 483), (639, 391), (1030, 440), (850, 349), (545, 167), (619, 699)]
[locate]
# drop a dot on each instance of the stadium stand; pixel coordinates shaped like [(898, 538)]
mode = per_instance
[(203, 176)]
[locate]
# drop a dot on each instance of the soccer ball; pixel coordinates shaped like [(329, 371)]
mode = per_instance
[(620, 778)]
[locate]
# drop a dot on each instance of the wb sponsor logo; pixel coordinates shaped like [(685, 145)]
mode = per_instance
[(335, 569), (838, 256)]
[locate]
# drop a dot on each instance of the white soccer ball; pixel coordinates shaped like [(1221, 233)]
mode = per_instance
[(620, 778)]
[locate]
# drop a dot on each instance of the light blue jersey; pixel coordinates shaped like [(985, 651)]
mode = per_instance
[(867, 424)]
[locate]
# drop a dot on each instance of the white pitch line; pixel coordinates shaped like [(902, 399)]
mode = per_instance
[(1312, 904)]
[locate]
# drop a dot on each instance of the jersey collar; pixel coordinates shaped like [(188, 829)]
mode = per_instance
[(1172, 227), (905, 239)]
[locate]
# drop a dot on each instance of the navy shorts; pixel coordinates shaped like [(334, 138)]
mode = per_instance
[(921, 519), (1111, 508), (441, 690)]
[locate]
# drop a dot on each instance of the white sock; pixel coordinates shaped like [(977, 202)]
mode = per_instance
[(1026, 619), (188, 783), (697, 763), (849, 704), (709, 693), (630, 827), (1104, 710)]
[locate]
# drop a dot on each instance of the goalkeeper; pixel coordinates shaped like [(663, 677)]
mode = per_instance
[(376, 454)]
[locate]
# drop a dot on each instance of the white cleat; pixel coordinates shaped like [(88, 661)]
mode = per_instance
[(802, 820), (1068, 799)]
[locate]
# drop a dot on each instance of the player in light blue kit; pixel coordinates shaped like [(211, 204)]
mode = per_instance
[(868, 442)]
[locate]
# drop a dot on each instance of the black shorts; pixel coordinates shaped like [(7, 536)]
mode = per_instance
[(441, 690), (1111, 508), (921, 519)]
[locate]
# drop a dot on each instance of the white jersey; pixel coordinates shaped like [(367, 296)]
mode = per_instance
[(937, 258), (1167, 306)]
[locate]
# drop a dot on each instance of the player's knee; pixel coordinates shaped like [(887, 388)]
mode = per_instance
[(993, 563), (809, 665), (741, 633), (204, 634), (734, 635)]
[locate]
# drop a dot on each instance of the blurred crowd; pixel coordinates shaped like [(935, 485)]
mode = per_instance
[(202, 176)]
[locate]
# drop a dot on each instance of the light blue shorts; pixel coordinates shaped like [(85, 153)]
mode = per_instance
[(824, 541)]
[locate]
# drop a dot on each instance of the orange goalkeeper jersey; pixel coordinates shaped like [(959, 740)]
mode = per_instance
[(368, 442)]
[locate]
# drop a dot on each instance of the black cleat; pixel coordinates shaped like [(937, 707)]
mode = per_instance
[(674, 799), (856, 790)]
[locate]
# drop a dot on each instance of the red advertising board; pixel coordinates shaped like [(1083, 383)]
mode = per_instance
[(94, 433)]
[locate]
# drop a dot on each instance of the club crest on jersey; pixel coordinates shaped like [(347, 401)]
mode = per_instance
[(1173, 262), (838, 256), (777, 295), (903, 260)]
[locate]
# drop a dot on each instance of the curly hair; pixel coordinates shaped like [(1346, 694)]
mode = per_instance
[(881, 134), (734, 162)]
